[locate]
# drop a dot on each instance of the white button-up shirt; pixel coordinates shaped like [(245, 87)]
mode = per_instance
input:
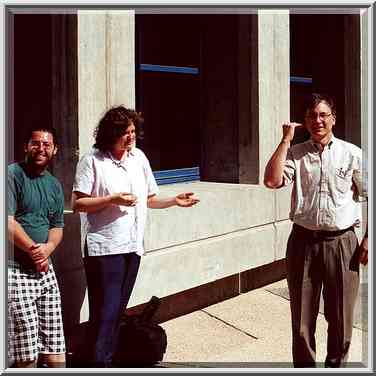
[(327, 184), (115, 229)]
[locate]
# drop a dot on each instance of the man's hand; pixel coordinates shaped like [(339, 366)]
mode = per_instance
[(363, 253), (42, 266), (124, 199), (39, 253), (186, 200), (273, 175), (289, 131)]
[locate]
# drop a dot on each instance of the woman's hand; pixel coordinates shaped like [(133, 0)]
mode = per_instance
[(124, 199), (186, 199)]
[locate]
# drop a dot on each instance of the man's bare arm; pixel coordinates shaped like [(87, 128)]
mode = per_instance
[(18, 236), (273, 176)]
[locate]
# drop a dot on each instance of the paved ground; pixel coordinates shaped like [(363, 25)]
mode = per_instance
[(251, 330)]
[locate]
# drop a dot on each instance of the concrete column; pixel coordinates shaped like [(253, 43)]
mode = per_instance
[(229, 90), (219, 92), (274, 92), (274, 71), (248, 136), (106, 67), (64, 97)]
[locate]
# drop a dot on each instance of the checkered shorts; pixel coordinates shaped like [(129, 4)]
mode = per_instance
[(34, 315)]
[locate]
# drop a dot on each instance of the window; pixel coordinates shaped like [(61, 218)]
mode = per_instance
[(168, 91), (197, 86), (301, 70), (330, 56)]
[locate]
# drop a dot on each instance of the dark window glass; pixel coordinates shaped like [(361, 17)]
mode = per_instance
[(32, 77), (301, 60), (318, 43), (44, 87), (169, 101)]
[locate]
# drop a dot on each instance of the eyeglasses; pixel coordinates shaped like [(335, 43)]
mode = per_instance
[(322, 116), (45, 145)]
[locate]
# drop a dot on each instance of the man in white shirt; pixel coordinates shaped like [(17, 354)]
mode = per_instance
[(322, 250), (114, 186)]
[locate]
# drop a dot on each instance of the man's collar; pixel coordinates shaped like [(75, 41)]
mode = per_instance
[(30, 171), (318, 146)]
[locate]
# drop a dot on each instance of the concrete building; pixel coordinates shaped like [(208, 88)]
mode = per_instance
[(214, 87)]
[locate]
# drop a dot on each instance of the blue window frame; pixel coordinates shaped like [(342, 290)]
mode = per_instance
[(301, 80), (177, 176), (168, 69)]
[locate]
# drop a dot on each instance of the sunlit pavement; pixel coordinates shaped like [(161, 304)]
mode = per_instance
[(252, 330)]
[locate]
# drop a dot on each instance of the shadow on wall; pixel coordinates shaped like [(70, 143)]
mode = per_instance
[(70, 273)]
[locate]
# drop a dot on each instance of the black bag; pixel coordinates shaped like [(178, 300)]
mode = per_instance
[(141, 342)]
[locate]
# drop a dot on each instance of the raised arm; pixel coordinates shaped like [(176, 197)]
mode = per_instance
[(273, 176)]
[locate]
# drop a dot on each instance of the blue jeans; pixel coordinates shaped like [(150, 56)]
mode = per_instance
[(110, 281)]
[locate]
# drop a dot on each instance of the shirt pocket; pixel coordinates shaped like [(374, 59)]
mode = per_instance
[(343, 179)]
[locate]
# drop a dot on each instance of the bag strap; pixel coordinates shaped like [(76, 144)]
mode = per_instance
[(150, 309)]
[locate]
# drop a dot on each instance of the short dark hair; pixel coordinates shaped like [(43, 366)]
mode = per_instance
[(315, 98), (114, 124), (41, 128)]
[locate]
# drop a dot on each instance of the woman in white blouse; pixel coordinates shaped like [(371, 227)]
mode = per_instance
[(113, 188)]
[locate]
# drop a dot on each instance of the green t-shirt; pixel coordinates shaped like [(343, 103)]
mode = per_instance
[(37, 204)]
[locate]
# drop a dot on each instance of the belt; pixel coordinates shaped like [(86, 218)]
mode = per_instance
[(321, 233)]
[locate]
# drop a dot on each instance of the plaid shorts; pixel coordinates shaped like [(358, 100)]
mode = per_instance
[(35, 323)]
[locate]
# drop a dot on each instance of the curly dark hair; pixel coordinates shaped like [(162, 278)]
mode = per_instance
[(114, 124), (40, 128), (315, 98)]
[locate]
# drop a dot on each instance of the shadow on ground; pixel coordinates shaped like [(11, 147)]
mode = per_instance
[(360, 311)]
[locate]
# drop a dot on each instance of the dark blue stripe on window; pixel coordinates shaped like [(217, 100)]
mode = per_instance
[(301, 80), (177, 176), (168, 68)]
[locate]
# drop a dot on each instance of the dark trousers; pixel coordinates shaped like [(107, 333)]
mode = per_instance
[(316, 261), (110, 281)]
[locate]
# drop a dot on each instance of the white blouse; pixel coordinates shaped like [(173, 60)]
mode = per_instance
[(115, 229)]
